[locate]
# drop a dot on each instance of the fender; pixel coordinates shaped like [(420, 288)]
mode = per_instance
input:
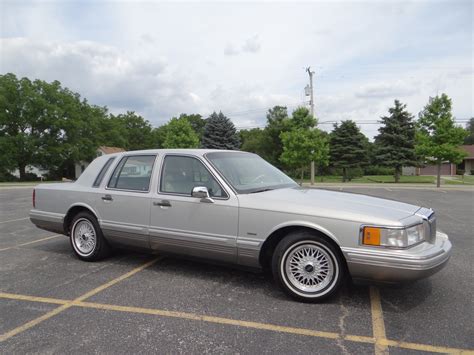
[(304, 224)]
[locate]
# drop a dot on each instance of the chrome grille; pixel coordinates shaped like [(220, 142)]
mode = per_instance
[(432, 225), (429, 222)]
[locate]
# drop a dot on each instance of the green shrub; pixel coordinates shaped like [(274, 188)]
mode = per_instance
[(378, 170)]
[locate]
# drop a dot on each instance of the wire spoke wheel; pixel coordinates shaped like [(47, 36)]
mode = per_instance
[(309, 267), (84, 236)]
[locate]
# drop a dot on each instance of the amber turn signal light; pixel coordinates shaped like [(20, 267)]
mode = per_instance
[(371, 236)]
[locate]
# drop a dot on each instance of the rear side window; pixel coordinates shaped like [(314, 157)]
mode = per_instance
[(133, 173), (102, 173)]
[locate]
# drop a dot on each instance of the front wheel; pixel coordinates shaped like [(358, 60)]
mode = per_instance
[(307, 267), (87, 240)]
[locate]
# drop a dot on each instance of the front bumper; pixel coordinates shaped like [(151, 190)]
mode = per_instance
[(406, 265)]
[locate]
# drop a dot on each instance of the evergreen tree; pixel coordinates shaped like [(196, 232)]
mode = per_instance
[(438, 138), (348, 147), (220, 133), (277, 123), (395, 145)]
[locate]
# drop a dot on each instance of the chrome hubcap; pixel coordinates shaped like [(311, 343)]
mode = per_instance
[(309, 268), (84, 236)]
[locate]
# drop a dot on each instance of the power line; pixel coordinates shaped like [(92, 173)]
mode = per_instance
[(363, 122)]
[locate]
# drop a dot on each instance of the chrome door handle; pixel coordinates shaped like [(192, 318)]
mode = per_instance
[(107, 198), (164, 203)]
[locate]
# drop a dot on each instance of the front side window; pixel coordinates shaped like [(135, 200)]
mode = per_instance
[(133, 173), (181, 174)]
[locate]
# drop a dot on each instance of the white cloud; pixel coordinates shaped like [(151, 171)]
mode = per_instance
[(395, 89), (252, 45), (231, 50), (161, 59)]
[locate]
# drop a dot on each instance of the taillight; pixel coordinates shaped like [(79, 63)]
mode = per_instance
[(34, 198)]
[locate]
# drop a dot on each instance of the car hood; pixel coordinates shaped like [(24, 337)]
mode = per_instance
[(330, 204)]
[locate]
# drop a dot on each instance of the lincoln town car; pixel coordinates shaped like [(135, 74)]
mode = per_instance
[(234, 207)]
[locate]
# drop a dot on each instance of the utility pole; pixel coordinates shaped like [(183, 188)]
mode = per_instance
[(311, 105)]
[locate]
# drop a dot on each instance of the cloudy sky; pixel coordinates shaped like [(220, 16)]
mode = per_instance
[(161, 59)]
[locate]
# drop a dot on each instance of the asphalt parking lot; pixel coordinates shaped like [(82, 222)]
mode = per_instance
[(50, 302)]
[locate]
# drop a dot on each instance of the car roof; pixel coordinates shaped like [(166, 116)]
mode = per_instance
[(199, 152)]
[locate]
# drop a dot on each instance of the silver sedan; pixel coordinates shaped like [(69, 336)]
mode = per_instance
[(236, 208)]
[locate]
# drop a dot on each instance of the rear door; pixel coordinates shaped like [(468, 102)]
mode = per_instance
[(123, 204), (184, 224)]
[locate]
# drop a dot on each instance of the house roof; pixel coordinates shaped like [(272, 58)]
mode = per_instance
[(110, 150), (469, 149)]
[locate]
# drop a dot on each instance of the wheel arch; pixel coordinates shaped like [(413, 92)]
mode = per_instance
[(74, 210), (280, 231)]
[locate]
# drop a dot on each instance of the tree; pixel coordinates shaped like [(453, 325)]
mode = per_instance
[(302, 146), (301, 118), (220, 133), (348, 148), (136, 130), (470, 132), (18, 120), (46, 125), (180, 134), (438, 138), (111, 132), (302, 142), (395, 144), (197, 123), (255, 140)]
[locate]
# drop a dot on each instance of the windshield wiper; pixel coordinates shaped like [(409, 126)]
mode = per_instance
[(262, 190)]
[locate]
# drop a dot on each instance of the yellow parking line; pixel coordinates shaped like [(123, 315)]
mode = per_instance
[(235, 322), (14, 220), (227, 321), (425, 347), (70, 304), (378, 324), (33, 242), (17, 297)]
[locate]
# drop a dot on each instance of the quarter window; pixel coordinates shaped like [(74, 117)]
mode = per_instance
[(181, 174), (133, 173), (102, 173)]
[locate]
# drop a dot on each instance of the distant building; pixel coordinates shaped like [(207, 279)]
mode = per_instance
[(446, 169), (102, 150), (467, 165)]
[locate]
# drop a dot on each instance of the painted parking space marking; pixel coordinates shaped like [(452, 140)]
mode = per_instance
[(79, 302), (14, 220), (71, 303), (378, 324), (33, 242)]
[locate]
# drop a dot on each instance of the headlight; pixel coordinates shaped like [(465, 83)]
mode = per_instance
[(391, 237)]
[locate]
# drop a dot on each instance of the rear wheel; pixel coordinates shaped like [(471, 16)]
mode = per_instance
[(87, 239), (307, 267)]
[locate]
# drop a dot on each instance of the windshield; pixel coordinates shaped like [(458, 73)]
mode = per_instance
[(248, 173)]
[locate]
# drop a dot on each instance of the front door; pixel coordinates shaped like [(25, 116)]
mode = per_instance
[(184, 224)]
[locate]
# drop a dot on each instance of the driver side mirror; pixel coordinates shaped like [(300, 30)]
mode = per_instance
[(202, 193)]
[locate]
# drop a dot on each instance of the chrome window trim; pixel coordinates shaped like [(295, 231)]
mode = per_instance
[(126, 156), (189, 195), (361, 236)]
